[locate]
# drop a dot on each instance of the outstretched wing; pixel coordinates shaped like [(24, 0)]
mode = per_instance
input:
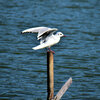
[(42, 31), (35, 30)]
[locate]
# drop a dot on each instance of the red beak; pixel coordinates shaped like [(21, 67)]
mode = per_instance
[(64, 36)]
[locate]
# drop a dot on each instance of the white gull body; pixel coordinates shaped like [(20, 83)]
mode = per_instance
[(46, 36)]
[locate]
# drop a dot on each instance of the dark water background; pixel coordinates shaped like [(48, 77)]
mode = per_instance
[(23, 74)]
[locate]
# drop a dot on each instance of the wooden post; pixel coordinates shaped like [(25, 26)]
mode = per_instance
[(50, 76), (63, 89)]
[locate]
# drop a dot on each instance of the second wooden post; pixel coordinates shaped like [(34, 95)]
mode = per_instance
[(50, 76)]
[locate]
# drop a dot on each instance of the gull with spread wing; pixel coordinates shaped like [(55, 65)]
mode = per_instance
[(46, 36)]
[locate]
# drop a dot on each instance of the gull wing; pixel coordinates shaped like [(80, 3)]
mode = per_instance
[(43, 34), (34, 30), (42, 31)]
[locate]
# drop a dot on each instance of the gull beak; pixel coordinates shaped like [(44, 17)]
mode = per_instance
[(64, 36)]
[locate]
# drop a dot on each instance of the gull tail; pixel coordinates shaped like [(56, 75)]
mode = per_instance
[(39, 47)]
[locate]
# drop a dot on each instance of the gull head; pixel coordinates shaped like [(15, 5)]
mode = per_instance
[(60, 34)]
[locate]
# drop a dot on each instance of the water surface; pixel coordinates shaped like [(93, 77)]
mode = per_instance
[(23, 71)]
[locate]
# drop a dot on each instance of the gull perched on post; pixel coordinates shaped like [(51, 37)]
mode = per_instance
[(46, 36)]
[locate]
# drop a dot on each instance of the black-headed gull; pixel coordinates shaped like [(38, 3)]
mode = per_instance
[(46, 36)]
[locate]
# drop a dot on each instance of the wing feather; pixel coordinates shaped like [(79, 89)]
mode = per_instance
[(33, 30), (42, 31)]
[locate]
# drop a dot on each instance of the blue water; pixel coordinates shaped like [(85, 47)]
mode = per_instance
[(23, 71)]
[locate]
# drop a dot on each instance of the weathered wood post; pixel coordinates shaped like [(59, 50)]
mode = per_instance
[(50, 76), (50, 80), (63, 89)]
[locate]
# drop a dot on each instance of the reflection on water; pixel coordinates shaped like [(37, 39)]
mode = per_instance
[(23, 70)]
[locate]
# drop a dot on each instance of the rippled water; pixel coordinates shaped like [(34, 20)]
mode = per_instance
[(23, 71)]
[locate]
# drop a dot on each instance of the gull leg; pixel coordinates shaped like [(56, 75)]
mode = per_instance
[(51, 50)]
